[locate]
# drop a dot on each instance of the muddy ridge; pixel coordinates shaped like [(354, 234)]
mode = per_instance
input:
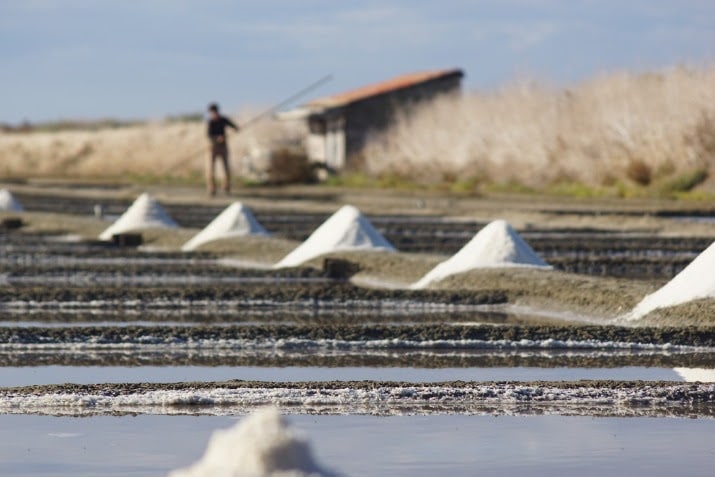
[(432, 360), (321, 292), (684, 336)]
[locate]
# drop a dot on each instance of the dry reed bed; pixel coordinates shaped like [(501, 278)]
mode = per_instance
[(157, 149), (636, 127), (654, 129)]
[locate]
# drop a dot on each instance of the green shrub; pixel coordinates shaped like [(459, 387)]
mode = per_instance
[(685, 182)]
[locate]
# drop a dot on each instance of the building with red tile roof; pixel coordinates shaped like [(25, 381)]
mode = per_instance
[(340, 124)]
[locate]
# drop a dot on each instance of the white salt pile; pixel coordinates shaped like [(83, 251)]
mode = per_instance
[(236, 220), (694, 375), (144, 213), (496, 245), (347, 229), (696, 281), (260, 445), (8, 202)]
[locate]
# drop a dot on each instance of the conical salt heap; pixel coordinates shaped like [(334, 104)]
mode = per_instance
[(144, 213), (235, 221), (496, 245), (8, 202), (695, 281), (346, 229)]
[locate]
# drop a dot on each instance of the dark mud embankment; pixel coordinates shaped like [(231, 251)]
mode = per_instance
[(398, 359), (292, 293), (452, 336)]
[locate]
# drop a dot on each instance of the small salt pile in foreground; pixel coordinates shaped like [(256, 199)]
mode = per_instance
[(694, 375), (144, 213), (236, 220), (696, 281), (347, 229), (260, 445), (496, 245), (8, 202)]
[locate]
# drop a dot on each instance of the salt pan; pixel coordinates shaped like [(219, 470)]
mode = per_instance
[(346, 229), (8, 202), (235, 221), (696, 281), (260, 445), (496, 245), (144, 213)]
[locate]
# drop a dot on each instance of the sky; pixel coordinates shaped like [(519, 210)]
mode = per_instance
[(146, 59)]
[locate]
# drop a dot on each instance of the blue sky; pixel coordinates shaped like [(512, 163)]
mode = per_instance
[(151, 58)]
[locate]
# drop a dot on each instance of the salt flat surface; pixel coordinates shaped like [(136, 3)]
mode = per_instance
[(696, 281), (235, 221), (24, 376), (417, 446), (346, 229), (145, 213), (8, 202), (497, 245)]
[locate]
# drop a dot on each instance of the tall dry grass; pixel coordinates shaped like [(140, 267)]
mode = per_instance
[(158, 149), (649, 129), (640, 128)]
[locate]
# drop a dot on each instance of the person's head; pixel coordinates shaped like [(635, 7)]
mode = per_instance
[(213, 110)]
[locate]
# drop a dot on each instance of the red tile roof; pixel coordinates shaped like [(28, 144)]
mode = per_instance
[(383, 87)]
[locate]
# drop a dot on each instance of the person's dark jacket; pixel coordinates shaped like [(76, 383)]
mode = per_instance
[(217, 127)]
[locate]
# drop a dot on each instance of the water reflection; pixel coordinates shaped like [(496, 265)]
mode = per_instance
[(143, 446)]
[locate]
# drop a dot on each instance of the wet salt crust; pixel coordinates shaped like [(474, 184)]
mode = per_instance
[(591, 398), (345, 230), (144, 213)]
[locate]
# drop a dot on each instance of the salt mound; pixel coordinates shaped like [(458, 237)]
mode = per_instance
[(346, 229), (259, 445), (235, 221), (696, 281), (8, 202), (144, 213), (692, 375), (496, 245)]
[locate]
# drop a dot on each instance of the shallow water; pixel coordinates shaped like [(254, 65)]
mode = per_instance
[(367, 445), (22, 376)]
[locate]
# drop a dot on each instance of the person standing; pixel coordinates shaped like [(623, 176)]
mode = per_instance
[(219, 149)]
